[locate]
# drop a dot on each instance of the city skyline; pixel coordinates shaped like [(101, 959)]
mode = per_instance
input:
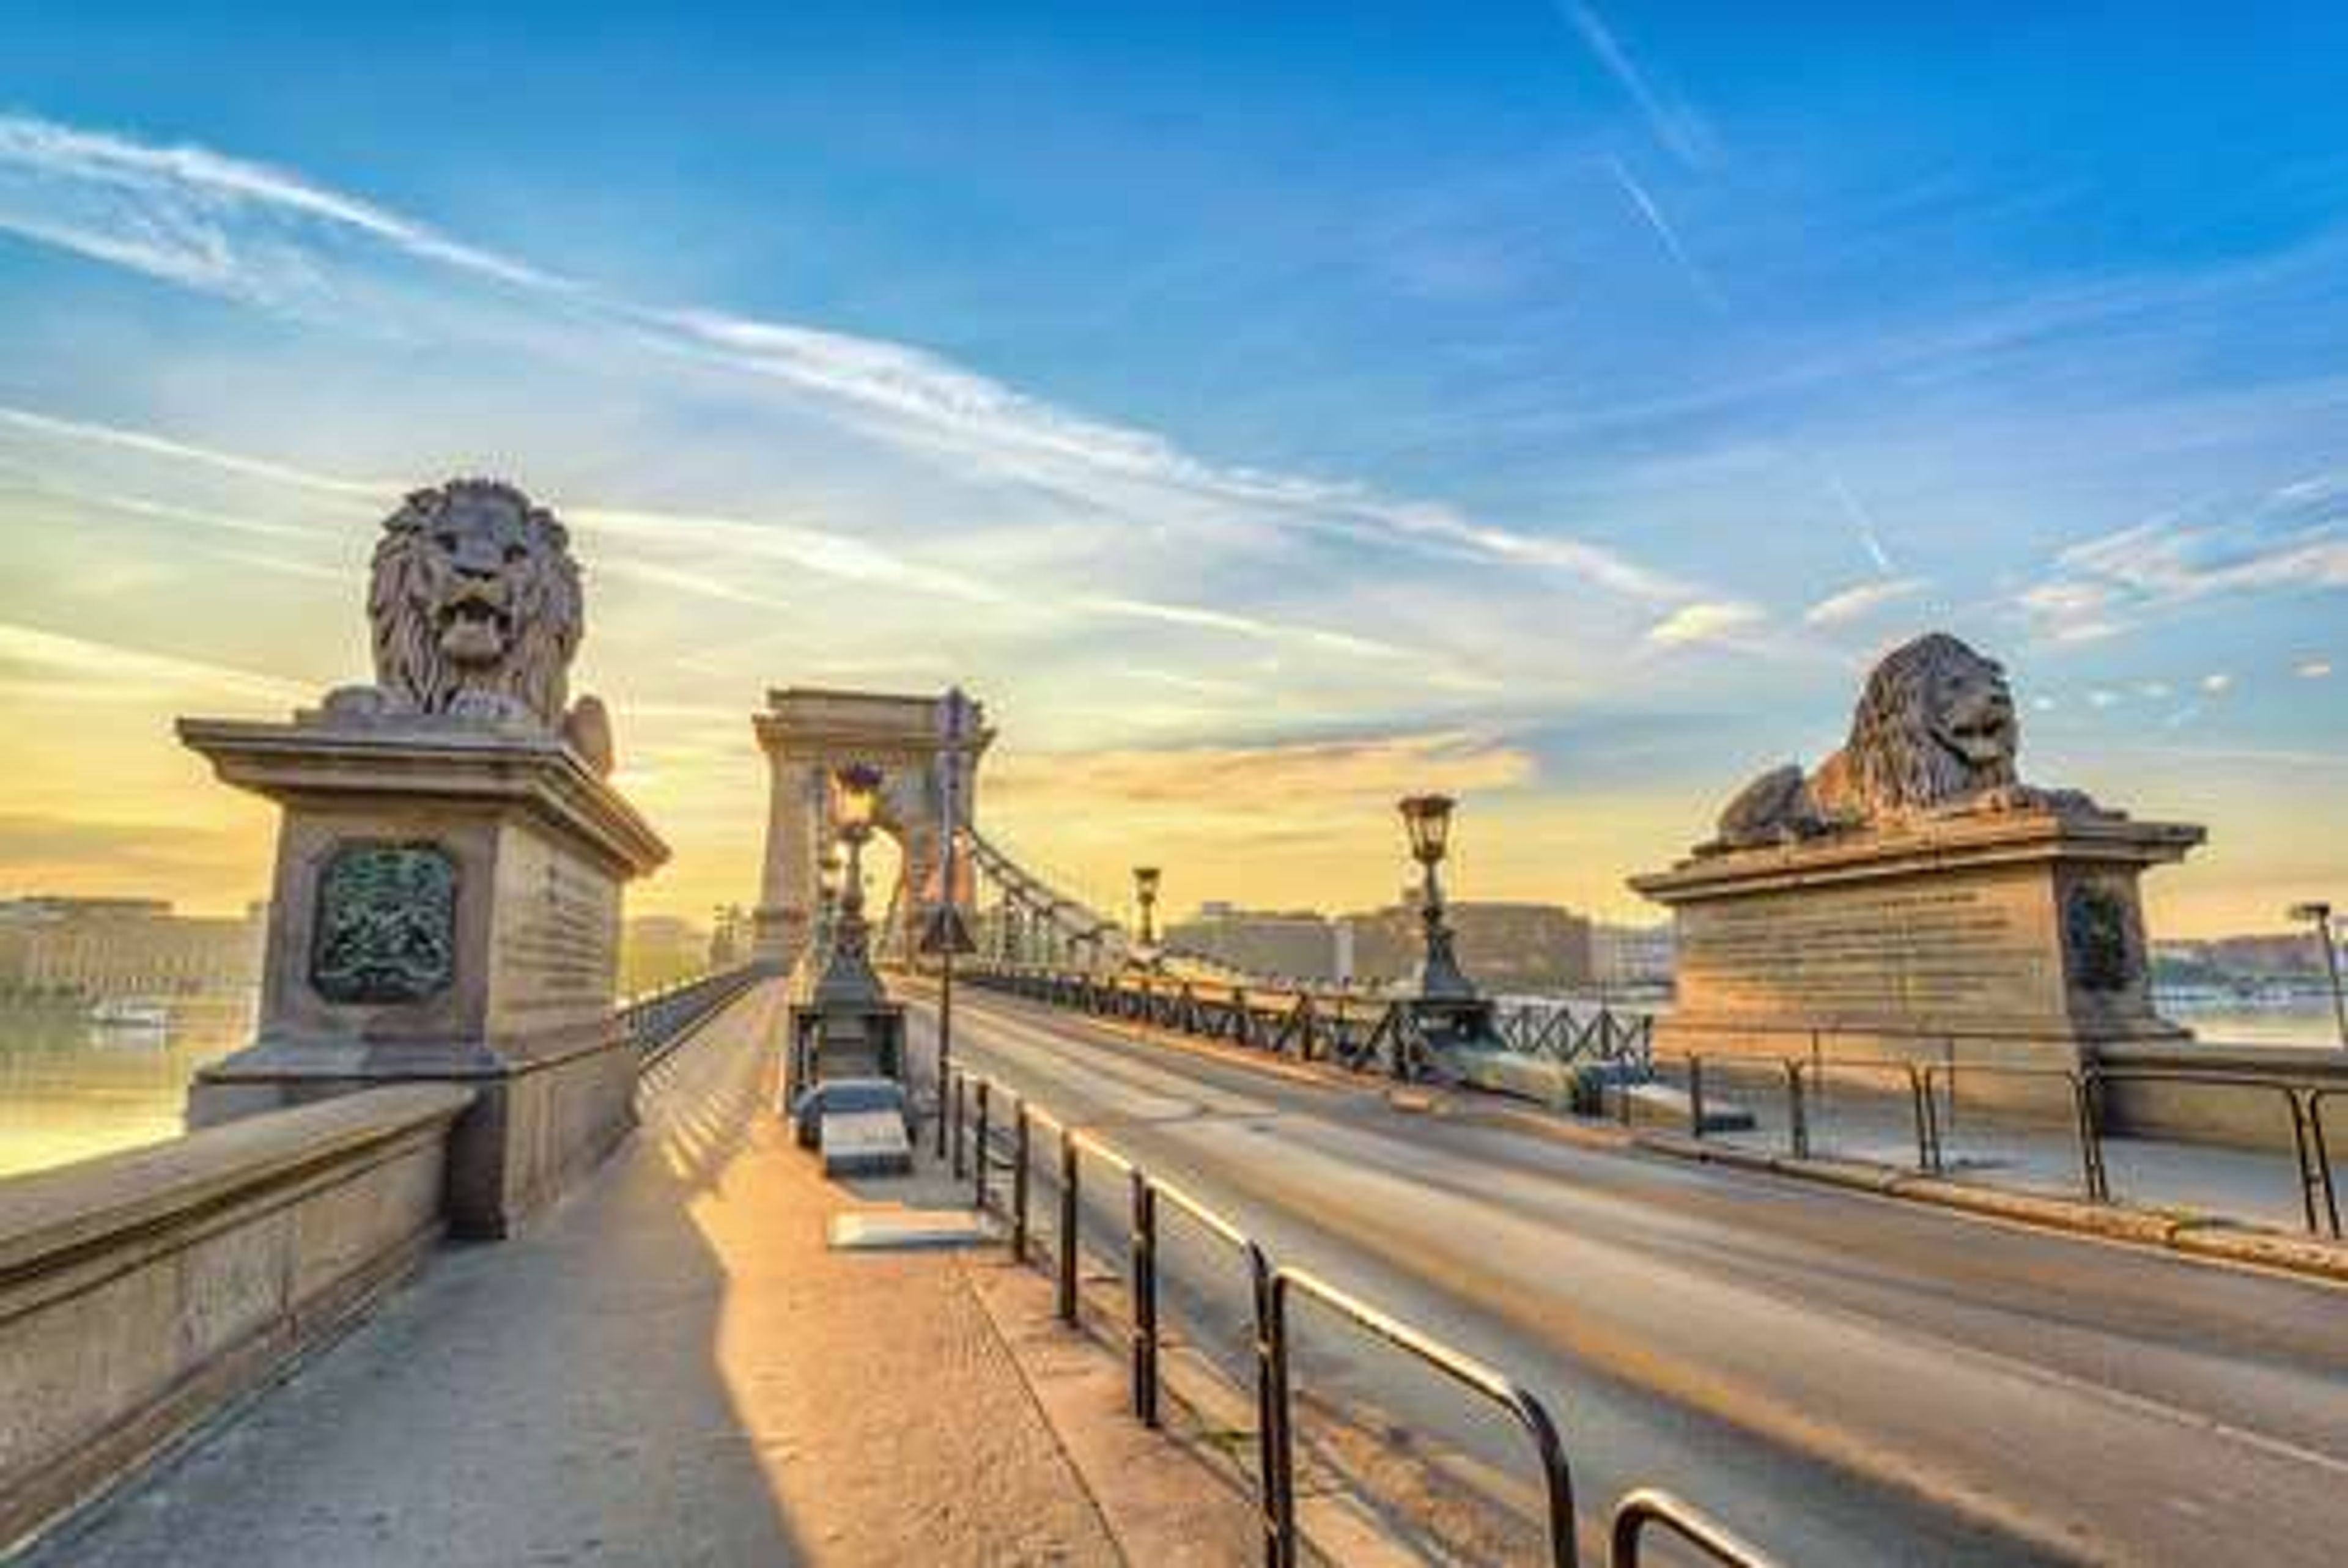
[(1558, 406)]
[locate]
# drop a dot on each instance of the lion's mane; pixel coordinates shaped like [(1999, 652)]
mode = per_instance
[(542, 602), (1897, 760), (1902, 758)]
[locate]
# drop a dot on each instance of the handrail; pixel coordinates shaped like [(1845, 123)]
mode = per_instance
[(2323, 1153), (1360, 1033), (1929, 1082), (1557, 1479), (2314, 1164), (657, 1021), (1653, 1505), (1268, 1289)]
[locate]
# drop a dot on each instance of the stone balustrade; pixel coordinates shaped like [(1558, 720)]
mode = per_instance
[(140, 1291)]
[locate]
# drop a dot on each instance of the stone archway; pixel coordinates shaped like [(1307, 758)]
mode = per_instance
[(928, 750)]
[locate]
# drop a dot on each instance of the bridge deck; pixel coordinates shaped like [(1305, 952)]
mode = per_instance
[(1844, 1379), (671, 1370)]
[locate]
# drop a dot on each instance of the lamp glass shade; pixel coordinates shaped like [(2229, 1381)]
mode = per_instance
[(2310, 911), (1428, 819), (1144, 882), (856, 795)]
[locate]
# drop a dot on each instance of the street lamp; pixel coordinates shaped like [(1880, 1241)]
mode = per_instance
[(845, 1027), (1427, 819), (2320, 916), (847, 974), (1145, 893), (830, 871)]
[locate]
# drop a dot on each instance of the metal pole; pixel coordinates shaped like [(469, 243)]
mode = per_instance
[(1798, 1126), (949, 889), (978, 1164), (1020, 1139), (2331, 964), (945, 1035), (1274, 1445), (1069, 1179), (958, 1097), (1145, 1300)]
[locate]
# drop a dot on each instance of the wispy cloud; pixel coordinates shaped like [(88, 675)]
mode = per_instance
[(82, 659), (1869, 539), (250, 231), (1705, 621), (148, 445), (1248, 626), (1677, 126), (2293, 539), (182, 213), (699, 536), (1644, 202), (1245, 779), (1860, 600)]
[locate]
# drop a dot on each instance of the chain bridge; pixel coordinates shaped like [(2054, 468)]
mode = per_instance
[(1191, 1265)]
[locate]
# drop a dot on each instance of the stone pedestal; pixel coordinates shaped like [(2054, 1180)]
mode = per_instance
[(446, 908), (2012, 936)]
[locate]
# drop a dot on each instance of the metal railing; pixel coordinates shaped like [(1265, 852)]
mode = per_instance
[(1362, 1032), (1651, 1506), (658, 1021), (1930, 1091), (971, 1101), (1572, 1032)]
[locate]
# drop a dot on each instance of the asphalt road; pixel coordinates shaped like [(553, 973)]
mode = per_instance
[(1843, 1378)]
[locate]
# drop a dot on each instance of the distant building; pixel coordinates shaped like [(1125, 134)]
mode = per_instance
[(1303, 944), (1503, 947), (729, 938), (99, 947), (2292, 957), (657, 950)]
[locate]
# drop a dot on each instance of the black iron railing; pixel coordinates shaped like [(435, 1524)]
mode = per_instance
[(1930, 1091), (1356, 1030), (659, 1021), (976, 1102)]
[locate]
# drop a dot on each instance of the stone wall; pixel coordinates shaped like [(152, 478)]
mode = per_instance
[(140, 1291)]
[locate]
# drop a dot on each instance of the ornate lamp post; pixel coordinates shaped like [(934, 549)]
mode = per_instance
[(2319, 915), (1449, 1009), (848, 977), (1427, 819), (1144, 895), (831, 873), (847, 1028)]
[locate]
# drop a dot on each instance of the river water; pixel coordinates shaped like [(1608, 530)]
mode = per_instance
[(70, 1088)]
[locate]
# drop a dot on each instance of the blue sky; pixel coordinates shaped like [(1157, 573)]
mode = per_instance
[(1561, 402)]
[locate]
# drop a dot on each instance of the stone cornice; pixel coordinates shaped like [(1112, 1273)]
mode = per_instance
[(802, 718), (1986, 838), (323, 761)]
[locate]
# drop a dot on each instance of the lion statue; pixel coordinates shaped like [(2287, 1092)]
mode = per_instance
[(475, 611), (1935, 732)]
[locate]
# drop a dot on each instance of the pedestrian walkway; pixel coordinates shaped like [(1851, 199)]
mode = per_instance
[(1984, 1146), (671, 1368)]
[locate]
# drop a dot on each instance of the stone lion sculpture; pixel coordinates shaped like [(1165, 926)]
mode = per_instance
[(1935, 732), (476, 611)]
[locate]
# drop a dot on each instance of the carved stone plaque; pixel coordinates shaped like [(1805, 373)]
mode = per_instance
[(386, 923), (2095, 929)]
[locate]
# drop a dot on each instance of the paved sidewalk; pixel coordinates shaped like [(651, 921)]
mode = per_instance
[(672, 1368), (1989, 1148)]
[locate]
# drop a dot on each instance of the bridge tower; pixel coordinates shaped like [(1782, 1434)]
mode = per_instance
[(928, 751)]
